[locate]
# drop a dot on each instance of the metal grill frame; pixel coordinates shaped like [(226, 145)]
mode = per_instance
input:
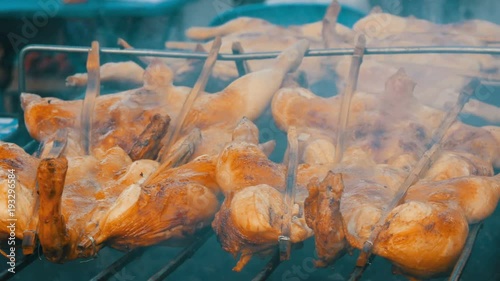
[(238, 58)]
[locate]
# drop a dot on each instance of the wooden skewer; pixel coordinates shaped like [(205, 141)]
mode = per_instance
[(55, 147), (141, 61), (349, 90), (329, 23), (285, 244), (198, 88), (242, 66), (419, 169), (93, 91), (149, 143)]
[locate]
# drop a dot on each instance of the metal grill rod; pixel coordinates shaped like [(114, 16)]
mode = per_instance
[(20, 265), (117, 265), (184, 255), (253, 56), (269, 268)]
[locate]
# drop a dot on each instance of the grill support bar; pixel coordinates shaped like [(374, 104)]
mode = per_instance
[(117, 265), (251, 56), (20, 265), (184, 255)]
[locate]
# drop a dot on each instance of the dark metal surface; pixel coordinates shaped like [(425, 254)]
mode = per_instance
[(20, 265), (267, 270), (116, 266), (184, 255)]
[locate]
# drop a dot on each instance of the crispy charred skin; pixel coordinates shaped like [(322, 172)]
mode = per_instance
[(322, 212), (52, 232), (169, 209), (149, 143)]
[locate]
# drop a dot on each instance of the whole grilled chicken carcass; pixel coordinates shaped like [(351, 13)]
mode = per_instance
[(443, 73), (117, 202), (72, 192), (388, 125), (170, 207), (22, 169), (458, 189), (385, 25), (121, 117), (249, 221), (429, 80), (385, 139)]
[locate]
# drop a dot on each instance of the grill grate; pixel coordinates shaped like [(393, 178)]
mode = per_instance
[(240, 58)]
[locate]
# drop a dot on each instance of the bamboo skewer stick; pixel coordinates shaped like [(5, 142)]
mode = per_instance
[(141, 61), (93, 91), (350, 88), (180, 155), (285, 244), (198, 88), (242, 66)]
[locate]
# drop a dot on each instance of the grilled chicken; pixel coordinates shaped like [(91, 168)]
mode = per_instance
[(387, 125), (443, 73), (72, 191), (249, 221), (384, 25), (22, 169), (87, 202), (386, 137), (170, 207), (439, 207), (123, 116)]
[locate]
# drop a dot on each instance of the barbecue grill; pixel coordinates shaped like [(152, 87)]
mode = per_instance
[(203, 259)]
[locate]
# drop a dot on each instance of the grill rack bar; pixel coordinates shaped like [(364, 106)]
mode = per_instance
[(181, 257), (118, 264), (252, 56), (242, 57), (20, 265)]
